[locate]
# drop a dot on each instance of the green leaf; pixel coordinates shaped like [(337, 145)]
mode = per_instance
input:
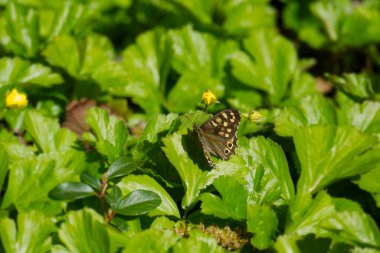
[(200, 59), (111, 77), (71, 191), (370, 183), (22, 28), (98, 50), (113, 197), (48, 171), (157, 125), (148, 148), (330, 14), (336, 153), (311, 110), (162, 222), (4, 163), (47, 134), (18, 71), (70, 18), (138, 202), (364, 116), (144, 182), (358, 86), (187, 92), (150, 241), (197, 52), (306, 214), (148, 63), (245, 99), (193, 51), (257, 15), (232, 202), (84, 224), (269, 175), (286, 244), (31, 233), (334, 24), (262, 222), (202, 10), (269, 64), (110, 133), (303, 84), (193, 179), (92, 59), (298, 17), (361, 20), (198, 242), (122, 166), (352, 225), (56, 54), (91, 180)]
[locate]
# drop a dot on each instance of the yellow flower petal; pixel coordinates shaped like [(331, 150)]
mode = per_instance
[(15, 99), (208, 97)]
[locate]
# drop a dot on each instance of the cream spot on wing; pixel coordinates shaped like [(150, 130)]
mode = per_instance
[(225, 124), (219, 120), (213, 123), (232, 120), (226, 135), (225, 115), (229, 130), (221, 133)]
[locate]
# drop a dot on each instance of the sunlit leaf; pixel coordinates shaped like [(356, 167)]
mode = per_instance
[(231, 204), (328, 154), (268, 66), (31, 233), (18, 71), (84, 224)]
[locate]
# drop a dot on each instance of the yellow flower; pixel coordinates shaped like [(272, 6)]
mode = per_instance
[(15, 99), (208, 98), (254, 116)]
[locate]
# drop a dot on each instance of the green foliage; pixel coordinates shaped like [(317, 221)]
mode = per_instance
[(144, 182), (151, 241), (233, 201), (17, 71), (268, 65), (30, 234), (99, 152), (268, 175), (328, 24), (137, 202), (339, 152), (193, 178), (263, 222), (84, 224), (109, 134), (310, 110)]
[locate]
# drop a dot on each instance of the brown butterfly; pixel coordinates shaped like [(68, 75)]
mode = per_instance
[(218, 135)]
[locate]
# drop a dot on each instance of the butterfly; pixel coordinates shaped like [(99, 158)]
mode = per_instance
[(218, 135)]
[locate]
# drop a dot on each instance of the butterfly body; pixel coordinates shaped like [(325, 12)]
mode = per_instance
[(218, 135)]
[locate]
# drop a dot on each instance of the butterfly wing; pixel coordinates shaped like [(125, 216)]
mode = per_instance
[(218, 134)]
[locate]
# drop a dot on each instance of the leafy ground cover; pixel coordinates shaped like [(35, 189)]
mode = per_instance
[(98, 100)]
